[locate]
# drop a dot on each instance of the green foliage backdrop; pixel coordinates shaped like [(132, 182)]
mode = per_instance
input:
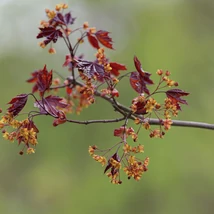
[(61, 177)]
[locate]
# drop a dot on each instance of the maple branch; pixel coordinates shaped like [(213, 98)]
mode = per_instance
[(127, 111), (86, 122), (152, 121), (183, 123)]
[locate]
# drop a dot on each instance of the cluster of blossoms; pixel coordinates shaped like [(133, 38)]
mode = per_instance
[(85, 81), (23, 131), (132, 166)]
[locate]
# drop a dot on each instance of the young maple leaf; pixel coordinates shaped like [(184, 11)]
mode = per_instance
[(175, 96), (61, 19), (114, 170), (140, 108), (42, 79), (91, 69), (138, 66), (104, 38), (116, 67), (32, 80), (50, 33), (140, 79), (18, 103), (92, 40), (50, 105)]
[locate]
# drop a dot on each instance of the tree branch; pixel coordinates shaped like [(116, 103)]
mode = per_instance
[(86, 122), (127, 111)]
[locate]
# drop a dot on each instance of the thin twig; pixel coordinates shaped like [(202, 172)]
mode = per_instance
[(127, 111), (86, 122)]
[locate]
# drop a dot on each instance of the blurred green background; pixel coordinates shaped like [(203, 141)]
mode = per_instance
[(61, 177)]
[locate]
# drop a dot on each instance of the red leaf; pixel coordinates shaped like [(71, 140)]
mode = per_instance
[(139, 83), (93, 41), (61, 19), (58, 19), (50, 105), (91, 69), (119, 132), (140, 79), (50, 33), (61, 119), (33, 78), (114, 170), (42, 79), (175, 96), (104, 39), (141, 108), (138, 66), (69, 90), (32, 125), (18, 103), (116, 67), (69, 19), (115, 93)]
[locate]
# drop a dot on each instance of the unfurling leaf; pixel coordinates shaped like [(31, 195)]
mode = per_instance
[(104, 38), (138, 66), (139, 83), (61, 119), (116, 67), (140, 78), (51, 105), (91, 69), (175, 96), (18, 103), (93, 41), (61, 19), (42, 79), (114, 170), (69, 20)]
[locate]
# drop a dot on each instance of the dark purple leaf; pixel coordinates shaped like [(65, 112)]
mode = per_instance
[(18, 103), (50, 33), (91, 69), (69, 20), (50, 105)]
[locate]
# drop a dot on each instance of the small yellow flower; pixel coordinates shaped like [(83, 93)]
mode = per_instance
[(6, 135), (42, 44), (91, 150), (44, 23), (30, 150), (127, 148), (115, 163), (1, 125), (51, 14), (85, 25), (137, 121), (80, 40), (92, 30), (115, 80), (52, 50), (150, 104), (64, 6), (159, 72), (58, 7), (140, 148)]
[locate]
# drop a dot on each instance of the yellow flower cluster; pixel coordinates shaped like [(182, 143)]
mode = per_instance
[(102, 60), (25, 131), (170, 107), (97, 158), (135, 168), (137, 149)]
